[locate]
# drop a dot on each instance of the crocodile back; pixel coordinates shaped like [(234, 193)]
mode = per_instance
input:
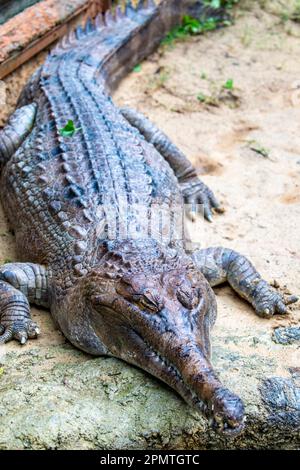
[(63, 195), (62, 187)]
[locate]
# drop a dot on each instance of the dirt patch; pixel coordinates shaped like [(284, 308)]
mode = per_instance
[(291, 198)]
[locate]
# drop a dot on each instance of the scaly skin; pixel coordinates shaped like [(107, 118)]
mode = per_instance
[(114, 286)]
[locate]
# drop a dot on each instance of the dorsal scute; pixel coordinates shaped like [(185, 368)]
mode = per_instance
[(111, 18), (89, 27)]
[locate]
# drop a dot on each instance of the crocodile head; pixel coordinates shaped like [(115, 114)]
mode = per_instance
[(153, 308)]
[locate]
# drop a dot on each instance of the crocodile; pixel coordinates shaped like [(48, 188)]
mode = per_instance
[(89, 213)]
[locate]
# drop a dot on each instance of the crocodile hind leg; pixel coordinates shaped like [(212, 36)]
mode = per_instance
[(15, 132), (222, 264), (195, 192), (21, 283)]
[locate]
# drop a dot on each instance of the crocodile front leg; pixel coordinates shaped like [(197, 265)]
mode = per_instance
[(21, 283), (195, 192), (15, 132), (219, 265)]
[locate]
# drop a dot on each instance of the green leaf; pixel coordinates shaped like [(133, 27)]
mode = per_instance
[(69, 130), (191, 25), (137, 68), (1, 371), (209, 24), (215, 4), (229, 85), (201, 97), (258, 148)]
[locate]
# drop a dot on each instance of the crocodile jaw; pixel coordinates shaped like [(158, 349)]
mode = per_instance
[(229, 421)]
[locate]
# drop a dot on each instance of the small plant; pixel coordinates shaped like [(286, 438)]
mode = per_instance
[(159, 78), (247, 36), (216, 4), (193, 26), (220, 93), (286, 10), (69, 130), (209, 100), (137, 68), (228, 85), (258, 148), (295, 16), (190, 27), (201, 97)]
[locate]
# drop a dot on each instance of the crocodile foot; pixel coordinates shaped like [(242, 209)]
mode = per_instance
[(195, 194), (267, 302), (19, 330)]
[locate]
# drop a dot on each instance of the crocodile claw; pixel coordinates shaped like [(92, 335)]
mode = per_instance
[(272, 303), (200, 199), (19, 331)]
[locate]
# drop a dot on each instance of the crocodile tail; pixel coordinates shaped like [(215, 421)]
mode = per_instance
[(111, 45)]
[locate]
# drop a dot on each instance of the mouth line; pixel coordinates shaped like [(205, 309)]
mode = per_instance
[(191, 396)]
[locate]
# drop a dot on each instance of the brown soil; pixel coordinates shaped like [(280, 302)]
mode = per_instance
[(244, 142)]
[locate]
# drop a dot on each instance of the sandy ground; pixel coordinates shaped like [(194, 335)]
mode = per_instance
[(245, 143), (261, 194)]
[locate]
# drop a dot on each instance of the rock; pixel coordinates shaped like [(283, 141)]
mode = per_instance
[(287, 335), (282, 398), (52, 396)]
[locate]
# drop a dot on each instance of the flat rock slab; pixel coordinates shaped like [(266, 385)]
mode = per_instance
[(287, 335), (53, 396)]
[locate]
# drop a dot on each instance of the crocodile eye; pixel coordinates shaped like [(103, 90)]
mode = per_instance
[(150, 300), (135, 290), (187, 296)]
